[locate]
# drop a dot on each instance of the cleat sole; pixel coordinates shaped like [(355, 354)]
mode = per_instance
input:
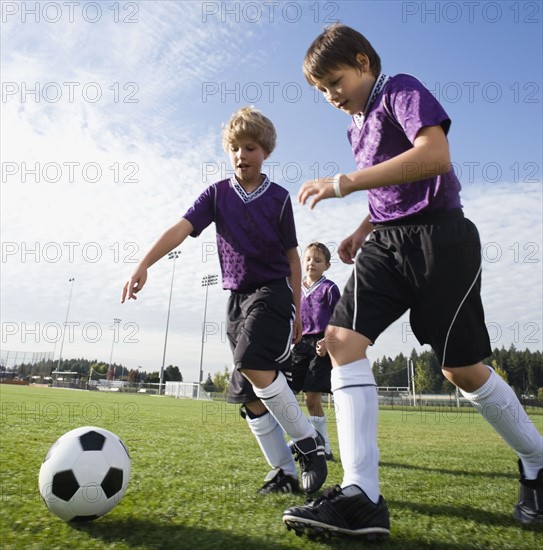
[(527, 518), (314, 529)]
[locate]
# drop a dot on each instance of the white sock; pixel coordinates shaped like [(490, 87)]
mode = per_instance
[(319, 423), (357, 409), (271, 439), (499, 405), (282, 404)]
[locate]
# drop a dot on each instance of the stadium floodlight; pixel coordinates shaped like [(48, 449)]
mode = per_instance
[(115, 331), (207, 281), (71, 281), (171, 256)]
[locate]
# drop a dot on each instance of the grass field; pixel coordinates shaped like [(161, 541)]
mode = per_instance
[(449, 480)]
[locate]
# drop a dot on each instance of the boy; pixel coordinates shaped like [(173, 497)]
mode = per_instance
[(311, 370), (422, 255), (256, 240)]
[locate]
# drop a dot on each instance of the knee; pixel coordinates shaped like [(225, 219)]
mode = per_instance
[(332, 339), (259, 378), (468, 378), (253, 408), (345, 345), (311, 400)]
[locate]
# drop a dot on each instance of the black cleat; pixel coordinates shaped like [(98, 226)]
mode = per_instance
[(279, 482), (309, 453), (329, 456), (529, 508), (335, 514)]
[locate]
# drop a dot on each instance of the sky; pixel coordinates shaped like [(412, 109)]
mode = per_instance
[(111, 114)]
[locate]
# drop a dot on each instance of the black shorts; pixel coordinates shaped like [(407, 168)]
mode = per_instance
[(310, 372), (429, 265), (259, 329)]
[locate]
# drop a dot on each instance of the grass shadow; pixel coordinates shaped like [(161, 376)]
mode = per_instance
[(151, 535), (491, 475), (462, 511)]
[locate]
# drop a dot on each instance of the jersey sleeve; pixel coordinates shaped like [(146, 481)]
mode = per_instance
[(202, 212), (414, 107), (333, 296), (287, 226)]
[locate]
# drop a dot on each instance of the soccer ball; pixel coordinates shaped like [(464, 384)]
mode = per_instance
[(84, 474)]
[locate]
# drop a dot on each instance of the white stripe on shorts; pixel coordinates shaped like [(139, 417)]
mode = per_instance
[(355, 309), (456, 313)]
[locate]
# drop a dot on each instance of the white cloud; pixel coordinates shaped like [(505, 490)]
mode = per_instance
[(168, 136)]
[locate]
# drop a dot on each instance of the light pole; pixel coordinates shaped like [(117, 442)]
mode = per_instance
[(413, 383), (115, 325), (171, 256), (71, 280), (207, 281)]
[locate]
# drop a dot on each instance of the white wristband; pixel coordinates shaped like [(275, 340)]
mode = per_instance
[(337, 189)]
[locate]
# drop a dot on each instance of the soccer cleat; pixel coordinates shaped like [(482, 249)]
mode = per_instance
[(529, 508), (336, 514), (328, 455), (279, 482), (309, 452)]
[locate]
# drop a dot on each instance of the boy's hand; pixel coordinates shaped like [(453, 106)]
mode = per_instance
[(321, 348), (319, 189), (134, 284), (350, 246), (296, 331)]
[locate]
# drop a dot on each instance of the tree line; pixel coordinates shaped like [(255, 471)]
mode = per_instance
[(523, 370), (98, 370)]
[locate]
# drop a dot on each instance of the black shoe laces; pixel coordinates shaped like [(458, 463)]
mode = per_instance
[(302, 458), (329, 494)]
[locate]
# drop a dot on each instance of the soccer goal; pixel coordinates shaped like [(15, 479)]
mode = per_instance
[(186, 390)]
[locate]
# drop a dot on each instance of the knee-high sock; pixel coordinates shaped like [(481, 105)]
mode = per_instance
[(271, 439), (499, 405), (319, 423), (357, 411), (282, 404)]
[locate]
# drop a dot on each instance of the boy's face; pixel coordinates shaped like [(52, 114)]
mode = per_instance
[(247, 157), (348, 88), (314, 264)]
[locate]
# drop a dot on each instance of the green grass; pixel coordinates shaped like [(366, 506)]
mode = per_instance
[(449, 480)]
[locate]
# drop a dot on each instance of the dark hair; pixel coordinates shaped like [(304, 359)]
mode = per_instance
[(338, 45), (322, 248)]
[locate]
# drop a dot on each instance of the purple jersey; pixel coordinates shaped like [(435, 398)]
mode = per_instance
[(318, 303), (254, 231), (398, 108)]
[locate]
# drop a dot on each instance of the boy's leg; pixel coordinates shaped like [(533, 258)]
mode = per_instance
[(272, 389), (271, 439), (355, 396), (499, 405), (356, 508), (316, 382), (317, 418), (262, 348), (448, 314)]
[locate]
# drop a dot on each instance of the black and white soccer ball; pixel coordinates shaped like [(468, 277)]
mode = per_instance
[(84, 474)]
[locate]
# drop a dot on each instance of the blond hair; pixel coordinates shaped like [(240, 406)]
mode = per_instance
[(249, 122)]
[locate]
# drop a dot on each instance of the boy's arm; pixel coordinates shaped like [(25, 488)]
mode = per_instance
[(351, 245), (296, 284), (428, 158), (169, 240)]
